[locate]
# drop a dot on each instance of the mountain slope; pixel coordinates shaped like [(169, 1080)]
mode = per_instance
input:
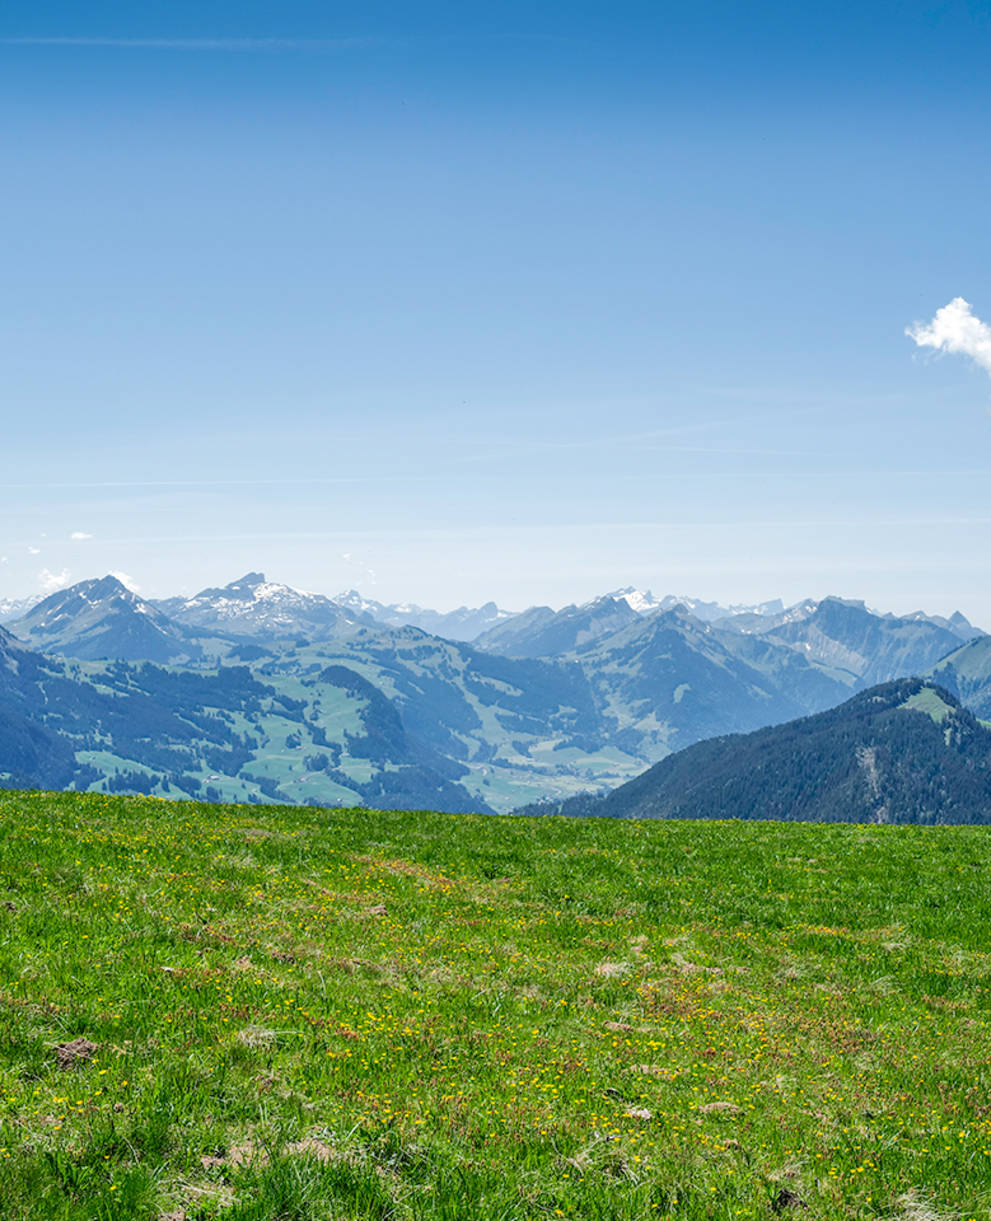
[(967, 673), (222, 732), (541, 632), (669, 679), (903, 752), (32, 755), (517, 728), (842, 635), (104, 619)]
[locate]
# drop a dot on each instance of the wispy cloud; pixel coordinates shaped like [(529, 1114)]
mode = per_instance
[(127, 581), (52, 581), (957, 329), (78, 536), (192, 44)]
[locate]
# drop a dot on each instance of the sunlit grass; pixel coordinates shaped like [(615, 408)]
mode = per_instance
[(342, 1014)]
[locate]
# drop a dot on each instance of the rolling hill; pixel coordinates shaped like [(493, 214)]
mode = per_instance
[(216, 732)]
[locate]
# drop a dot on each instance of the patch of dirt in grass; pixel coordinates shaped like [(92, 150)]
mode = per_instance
[(727, 1108), (611, 970), (786, 1198), (71, 1055), (313, 1148), (686, 967)]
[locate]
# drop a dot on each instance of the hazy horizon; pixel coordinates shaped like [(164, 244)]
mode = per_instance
[(372, 594)]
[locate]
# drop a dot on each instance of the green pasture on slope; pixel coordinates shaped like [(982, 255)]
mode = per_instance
[(266, 1013)]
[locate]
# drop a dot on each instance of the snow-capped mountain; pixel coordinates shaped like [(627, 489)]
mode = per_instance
[(102, 618), (14, 608), (252, 606), (644, 602), (465, 623), (640, 600)]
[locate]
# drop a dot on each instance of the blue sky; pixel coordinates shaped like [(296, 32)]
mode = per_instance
[(455, 301)]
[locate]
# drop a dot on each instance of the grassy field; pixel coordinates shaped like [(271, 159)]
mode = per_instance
[(274, 1013)]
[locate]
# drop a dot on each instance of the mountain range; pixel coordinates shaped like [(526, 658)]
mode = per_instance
[(901, 752), (266, 693), (465, 623)]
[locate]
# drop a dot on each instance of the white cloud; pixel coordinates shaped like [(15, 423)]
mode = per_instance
[(127, 581), (955, 328), (78, 535), (52, 581), (34, 551)]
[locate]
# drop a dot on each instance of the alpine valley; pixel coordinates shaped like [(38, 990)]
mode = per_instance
[(255, 691)]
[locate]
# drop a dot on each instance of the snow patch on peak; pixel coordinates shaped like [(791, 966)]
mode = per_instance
[(640, 600)]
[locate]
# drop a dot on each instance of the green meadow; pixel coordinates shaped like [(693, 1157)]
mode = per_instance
[(292, 1014)]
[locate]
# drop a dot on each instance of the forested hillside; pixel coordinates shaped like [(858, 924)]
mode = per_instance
[(904, 752)]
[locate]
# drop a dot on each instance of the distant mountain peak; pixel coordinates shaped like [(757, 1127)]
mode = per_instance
[(254, 606), (250, 580), (102, 618), (640, 600), (644, 602)]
